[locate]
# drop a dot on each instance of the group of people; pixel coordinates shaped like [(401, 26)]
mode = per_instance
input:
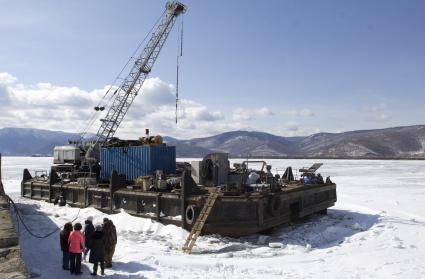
[(99, 241)]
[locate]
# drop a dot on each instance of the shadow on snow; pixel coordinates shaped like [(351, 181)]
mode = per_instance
[(132, 267), (43, 257), (316, 231)]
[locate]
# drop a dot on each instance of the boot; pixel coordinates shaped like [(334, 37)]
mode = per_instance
[(94, 273), (102, 268)]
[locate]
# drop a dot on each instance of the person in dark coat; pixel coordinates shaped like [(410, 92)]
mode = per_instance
[(63, 236), (88, 231), (110, 240), (97, 251)]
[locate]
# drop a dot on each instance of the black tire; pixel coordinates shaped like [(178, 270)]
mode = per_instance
[(190, 214)]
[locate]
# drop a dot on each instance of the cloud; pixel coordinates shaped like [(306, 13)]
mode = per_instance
[(301, 112), (375, 108), (240, 114), (377, 112), (199, 112), (243, 114), (157, 93), (264, 111), (48, 106), (290, 126), (4, 95), (383, 117), (157, 103), (6, 78)]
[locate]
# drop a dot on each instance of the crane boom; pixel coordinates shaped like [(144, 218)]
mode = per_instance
[(129, 88)]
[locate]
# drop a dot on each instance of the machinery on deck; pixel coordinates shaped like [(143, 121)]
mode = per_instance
[(247, 199)]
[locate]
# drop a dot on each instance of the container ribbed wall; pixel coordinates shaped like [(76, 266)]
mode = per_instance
[(135, 161)]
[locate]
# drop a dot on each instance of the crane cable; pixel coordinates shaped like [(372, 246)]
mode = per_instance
[(21, 220), (92, 117), (179, 54)]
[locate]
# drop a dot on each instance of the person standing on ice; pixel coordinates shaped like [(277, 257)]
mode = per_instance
[(63, 236), (88, 231), (97, 251), (110, 240), (76, 247)]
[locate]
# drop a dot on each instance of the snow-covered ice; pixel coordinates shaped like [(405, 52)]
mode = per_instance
[(376, 230)]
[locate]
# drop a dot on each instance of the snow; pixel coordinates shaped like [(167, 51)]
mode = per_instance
[(375, 230)]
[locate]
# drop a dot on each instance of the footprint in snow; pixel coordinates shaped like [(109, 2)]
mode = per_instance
[(397, 243), (225, 255)]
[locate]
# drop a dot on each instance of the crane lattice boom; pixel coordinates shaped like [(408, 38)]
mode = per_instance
[(127, 91)]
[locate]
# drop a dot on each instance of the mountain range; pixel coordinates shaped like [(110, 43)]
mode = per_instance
[(397, 142)]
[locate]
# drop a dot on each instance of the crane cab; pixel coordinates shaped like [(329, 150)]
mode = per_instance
[(66, 154)]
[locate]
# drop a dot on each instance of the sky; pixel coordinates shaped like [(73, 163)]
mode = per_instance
[(291, 68)]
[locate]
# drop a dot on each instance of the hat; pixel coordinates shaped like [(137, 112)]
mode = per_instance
[(90, 218), (105, 220), (98, 227)]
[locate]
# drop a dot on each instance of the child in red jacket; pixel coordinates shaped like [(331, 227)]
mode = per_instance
[(76, 247)]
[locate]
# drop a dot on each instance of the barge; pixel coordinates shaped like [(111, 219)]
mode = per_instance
[(147, 181)]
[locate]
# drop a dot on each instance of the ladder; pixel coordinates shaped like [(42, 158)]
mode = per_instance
[(200, 221)]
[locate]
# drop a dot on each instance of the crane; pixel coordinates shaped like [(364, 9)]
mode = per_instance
[(127, 91)]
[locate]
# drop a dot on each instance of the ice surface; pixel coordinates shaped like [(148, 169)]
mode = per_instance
[(375, 230)]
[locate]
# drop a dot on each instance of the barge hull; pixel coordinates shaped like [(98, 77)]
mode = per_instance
[(233, 216)]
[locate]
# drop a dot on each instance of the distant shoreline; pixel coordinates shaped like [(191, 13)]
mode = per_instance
[(333, 158), (283, 158)]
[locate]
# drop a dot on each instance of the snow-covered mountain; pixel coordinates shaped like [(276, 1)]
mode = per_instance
[(391, 142), (406, 141)]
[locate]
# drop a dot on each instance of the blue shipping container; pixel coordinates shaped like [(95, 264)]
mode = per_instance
[(135, 161)]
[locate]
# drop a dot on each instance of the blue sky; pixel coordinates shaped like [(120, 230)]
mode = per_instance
[(287, 67)]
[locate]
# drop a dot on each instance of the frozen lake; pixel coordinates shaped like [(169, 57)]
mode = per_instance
[(374, 231)]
